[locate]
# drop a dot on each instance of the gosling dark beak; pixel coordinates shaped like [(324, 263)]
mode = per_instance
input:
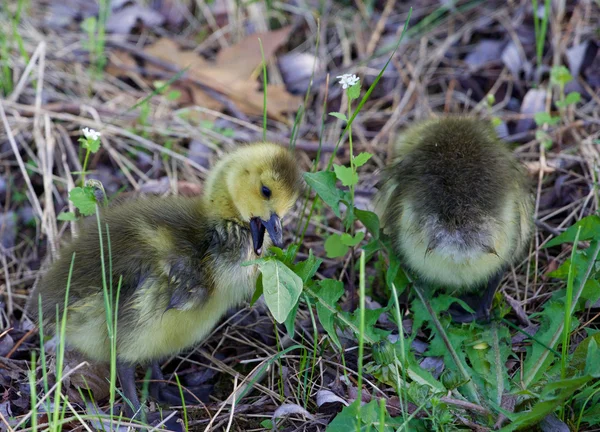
[(257, 230), (272, 226)]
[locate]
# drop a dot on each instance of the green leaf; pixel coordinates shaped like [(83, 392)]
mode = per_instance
[(173, 95), (281, 288), (579, 360), (592, 365), (323, 183), (290, 321), (88, 25), (590, 229), (258, 291), (84, 199), (542, 118), (308, 268), (591, 291), (346, 175), (346, 420), (571, 99), (560, 75), (354, 91), (330, 291), (90, 144), (66, 216), (369, 220), (538, 358), (371, 317), (348, 240), (362, 159), (543, 138), (335, 247), (339, 115), (552, 396), (267, 424)]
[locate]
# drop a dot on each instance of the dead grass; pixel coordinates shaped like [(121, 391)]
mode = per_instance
[(440, 68)]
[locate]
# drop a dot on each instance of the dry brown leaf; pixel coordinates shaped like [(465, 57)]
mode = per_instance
[(238, 61), (168, 50), (231, 73), (120, 63)]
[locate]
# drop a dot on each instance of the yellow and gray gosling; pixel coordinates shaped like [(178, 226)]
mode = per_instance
[(458, 208), (179, 259)]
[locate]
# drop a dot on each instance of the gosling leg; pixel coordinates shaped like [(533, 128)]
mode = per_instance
[(482, 305), (126, 373), (157, 375)]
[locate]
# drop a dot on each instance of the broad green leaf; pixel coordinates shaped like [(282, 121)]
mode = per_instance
[(591, 291), (346, 175), (308, 268), (258, 291), (369, 220), (334, 247), (371, 317), (579, 359), (329, 291), (538, 357), (592, 364), (348, 240), (354, 91), (323, 183), (84, 199), (66, 216), (362, 159), (281, 288), (346, 420), (339, 115), (553, 395), (290, 321), (590, 229)]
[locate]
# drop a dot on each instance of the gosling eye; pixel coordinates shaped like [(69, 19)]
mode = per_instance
[(266, 192)]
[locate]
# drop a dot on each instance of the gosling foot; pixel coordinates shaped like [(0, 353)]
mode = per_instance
[(170, 395), (173, 423), (460, 315), (482, 305)]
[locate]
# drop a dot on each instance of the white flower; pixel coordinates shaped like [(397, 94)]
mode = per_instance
[(90, 134), (348, 80)]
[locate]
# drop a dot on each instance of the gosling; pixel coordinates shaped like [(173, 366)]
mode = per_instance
[(458, 209), (179, 260)]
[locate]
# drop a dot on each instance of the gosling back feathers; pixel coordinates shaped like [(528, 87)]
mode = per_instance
[(455, 202)]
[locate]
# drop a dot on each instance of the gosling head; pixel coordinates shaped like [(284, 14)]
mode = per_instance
[(256, 185)]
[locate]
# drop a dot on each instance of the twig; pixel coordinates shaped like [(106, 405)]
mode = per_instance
[(32, 196)]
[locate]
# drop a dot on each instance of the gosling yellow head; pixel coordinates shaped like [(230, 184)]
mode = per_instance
[(177, 261), (456, 203), (256, 185)]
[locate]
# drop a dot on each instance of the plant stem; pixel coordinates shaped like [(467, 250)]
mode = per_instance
[(361, 333), (84, 168), (352, 186)]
